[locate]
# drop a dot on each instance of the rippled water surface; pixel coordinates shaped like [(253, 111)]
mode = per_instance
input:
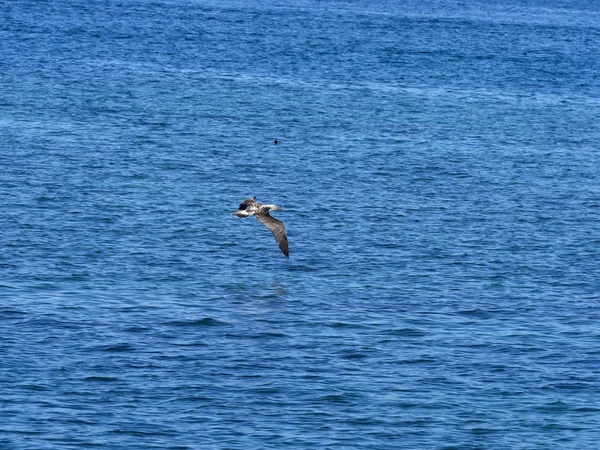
[(439, 169)]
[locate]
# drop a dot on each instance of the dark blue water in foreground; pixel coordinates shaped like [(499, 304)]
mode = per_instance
[(439, 165)]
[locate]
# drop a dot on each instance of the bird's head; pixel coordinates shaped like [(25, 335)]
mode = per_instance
[(274, 208)]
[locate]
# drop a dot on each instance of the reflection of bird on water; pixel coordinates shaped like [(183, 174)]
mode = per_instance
[(250, 207)]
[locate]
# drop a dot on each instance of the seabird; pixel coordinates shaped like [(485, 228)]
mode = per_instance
[(250, 207)]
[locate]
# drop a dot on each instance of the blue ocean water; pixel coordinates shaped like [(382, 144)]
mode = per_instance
[(439, 171)]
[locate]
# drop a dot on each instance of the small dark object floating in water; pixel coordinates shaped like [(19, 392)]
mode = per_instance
[(250, 207), (276, 142)]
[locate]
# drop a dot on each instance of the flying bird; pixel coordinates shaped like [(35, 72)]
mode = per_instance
[(251, 207)]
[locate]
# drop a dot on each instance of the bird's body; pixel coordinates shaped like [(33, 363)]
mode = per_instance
[(252, 207)]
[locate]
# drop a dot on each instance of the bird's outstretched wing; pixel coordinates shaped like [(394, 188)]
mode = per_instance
[(278, 230)]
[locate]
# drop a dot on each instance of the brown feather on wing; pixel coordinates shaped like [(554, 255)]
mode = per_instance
[(278, 230)]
